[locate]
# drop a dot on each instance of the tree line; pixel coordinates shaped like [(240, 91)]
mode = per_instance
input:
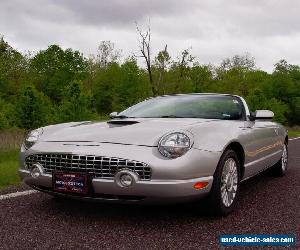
[(60, 85)]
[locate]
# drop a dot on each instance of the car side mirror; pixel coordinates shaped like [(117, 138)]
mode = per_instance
[(261, 115), (113, 115)]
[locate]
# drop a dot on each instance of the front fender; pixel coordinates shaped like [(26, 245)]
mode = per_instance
[(216, 136)]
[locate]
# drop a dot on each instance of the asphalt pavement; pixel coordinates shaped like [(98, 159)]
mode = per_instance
[(267, 205)]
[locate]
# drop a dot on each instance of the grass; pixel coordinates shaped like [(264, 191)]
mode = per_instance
[(9, 165), (9, 157), (294, 132)]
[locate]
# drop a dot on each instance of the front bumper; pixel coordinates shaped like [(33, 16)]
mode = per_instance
[(147, 192), (171, 180)]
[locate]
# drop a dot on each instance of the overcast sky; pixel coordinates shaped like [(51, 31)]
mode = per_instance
[(215, 29)]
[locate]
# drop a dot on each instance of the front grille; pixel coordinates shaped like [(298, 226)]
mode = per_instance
[(96, 166)]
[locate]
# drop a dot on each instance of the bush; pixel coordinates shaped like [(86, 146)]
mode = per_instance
[(32, 109), (76, 106), (257, 100)]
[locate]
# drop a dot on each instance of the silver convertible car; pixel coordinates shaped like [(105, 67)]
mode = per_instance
[(165, 149)]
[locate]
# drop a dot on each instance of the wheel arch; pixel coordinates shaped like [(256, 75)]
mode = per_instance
[(238, 148)]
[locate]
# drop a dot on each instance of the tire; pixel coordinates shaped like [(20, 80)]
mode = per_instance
[(280, 168), (56, 197), (225, 188)]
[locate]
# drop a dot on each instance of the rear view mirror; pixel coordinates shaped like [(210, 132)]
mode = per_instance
[(113, 115), (261, 115)]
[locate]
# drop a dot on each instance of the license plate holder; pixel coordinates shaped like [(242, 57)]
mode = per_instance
[(75, 183)]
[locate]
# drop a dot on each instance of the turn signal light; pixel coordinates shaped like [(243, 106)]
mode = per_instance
[(199, 185)]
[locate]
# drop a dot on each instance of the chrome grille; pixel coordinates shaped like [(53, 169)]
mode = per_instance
[(97, 166)]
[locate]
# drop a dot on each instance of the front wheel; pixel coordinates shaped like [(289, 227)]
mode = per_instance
[(226, 184)]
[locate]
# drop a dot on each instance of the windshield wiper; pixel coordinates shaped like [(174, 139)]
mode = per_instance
[(123, 117), (171, 116)]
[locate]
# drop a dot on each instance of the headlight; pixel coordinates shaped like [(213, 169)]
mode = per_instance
[(32, 137), (174, 145)]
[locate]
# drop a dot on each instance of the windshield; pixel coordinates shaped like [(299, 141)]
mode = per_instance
[(188, 106)]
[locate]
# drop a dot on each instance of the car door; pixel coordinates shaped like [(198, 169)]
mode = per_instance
[(262, 147)]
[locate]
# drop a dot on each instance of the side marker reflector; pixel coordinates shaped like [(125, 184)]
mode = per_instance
[(200, 185)]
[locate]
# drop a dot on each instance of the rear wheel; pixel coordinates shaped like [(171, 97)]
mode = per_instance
[(281, 166), (226, 183)]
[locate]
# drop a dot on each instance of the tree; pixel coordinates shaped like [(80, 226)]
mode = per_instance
[(61, 85), (232, 72), (162, 61), (32, 109), (76, 106), (13, 69), (282, 67), (55, 68), (178, 78), (285, 86), (244, 62), (4, 123), (132, 86), (106, 54), (257, 100), (105, 82), (201, 77), (185, 60), (145, 49)]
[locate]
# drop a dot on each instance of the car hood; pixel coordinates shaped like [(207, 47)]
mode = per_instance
[(144, 131)]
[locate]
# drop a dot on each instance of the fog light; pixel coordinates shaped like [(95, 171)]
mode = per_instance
[(199, 185), (126, 180), (35, 172)]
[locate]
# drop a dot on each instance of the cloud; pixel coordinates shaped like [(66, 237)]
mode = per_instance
[(268, 29)]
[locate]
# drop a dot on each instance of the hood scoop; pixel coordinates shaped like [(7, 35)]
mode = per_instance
[(122, 122)]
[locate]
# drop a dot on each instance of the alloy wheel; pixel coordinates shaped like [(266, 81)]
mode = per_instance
[(284, 158), (229, 182)]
